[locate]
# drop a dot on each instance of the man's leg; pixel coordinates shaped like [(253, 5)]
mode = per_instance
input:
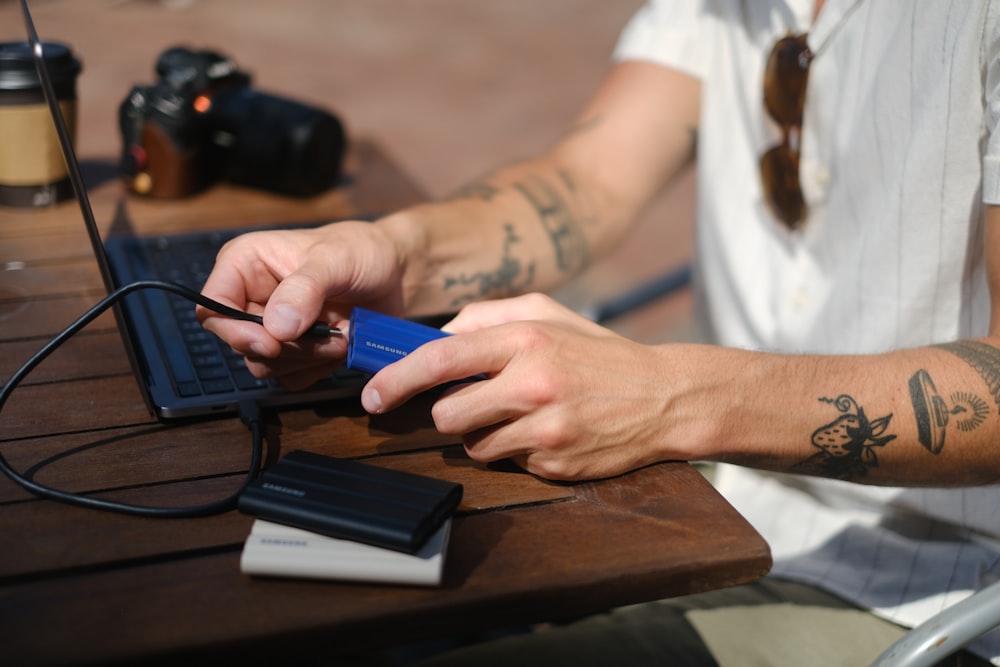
[(770, 623)]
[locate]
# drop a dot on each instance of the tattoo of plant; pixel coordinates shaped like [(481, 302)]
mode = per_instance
[(509, 278), (933, 414), (848, 444), (985, 359), (559, 222)]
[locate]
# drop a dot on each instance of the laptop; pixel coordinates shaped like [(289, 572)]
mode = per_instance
[(183, 370)]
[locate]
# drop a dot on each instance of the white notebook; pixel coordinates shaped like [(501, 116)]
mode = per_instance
[(273, 549)]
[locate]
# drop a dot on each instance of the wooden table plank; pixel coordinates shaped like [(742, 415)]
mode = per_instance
[(95, 352)]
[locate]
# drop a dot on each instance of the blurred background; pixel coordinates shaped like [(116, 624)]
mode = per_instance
[(448, 89)]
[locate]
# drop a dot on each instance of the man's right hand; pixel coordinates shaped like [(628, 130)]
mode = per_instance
[(293, 278)]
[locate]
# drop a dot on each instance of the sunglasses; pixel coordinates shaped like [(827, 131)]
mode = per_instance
[(785, 77)]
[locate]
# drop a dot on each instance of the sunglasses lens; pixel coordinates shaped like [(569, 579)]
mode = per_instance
[(779, 172), (785, 79)]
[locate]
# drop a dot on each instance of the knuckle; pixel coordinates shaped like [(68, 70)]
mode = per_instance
[(554, 469), (555, 434), (444, 418), (531, 336), (543, 388), (537, 301), (437, 360)]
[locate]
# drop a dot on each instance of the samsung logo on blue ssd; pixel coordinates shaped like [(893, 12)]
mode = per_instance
[(386, 348)]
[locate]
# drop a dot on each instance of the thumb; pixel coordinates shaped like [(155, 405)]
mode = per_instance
[(294, 306)]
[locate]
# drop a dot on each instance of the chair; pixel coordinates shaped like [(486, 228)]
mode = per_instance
[(946, 632)]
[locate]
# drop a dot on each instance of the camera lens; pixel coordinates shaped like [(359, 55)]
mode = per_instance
[(277, 144)]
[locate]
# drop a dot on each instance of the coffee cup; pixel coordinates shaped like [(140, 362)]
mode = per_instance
[(32, 169)]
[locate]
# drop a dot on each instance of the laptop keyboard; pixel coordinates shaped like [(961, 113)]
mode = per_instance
[(209, 366)]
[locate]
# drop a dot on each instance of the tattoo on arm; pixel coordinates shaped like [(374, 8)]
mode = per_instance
[(510, 277), (933, 414), (847, 445), (513, 276), (559, 221), (985, 359)]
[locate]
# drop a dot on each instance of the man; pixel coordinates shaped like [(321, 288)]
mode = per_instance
[(847, 282)]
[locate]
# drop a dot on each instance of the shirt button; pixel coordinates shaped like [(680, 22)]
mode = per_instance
[(799, 300), (821, 176)]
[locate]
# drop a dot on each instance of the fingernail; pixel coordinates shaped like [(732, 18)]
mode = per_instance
[(371, 400), (284, 322)]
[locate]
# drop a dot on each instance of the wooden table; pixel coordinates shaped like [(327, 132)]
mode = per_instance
[(81, 586)]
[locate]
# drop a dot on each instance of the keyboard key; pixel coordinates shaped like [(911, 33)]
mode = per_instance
[(217, 386)]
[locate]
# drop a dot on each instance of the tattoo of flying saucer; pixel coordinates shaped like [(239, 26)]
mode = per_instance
[(933, 413)]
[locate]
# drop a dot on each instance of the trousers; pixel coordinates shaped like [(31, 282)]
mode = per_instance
[(769, 623)]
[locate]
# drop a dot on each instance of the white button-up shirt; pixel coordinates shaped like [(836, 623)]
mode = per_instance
[(899, 154)]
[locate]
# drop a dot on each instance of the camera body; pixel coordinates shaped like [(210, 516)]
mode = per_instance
[(202, 122)]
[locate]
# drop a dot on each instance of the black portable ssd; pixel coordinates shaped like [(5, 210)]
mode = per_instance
[(351, 500)]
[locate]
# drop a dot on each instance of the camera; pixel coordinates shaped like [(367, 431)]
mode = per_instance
[(202, 122)]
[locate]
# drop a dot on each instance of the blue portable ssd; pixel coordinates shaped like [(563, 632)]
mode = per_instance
[(376, 340)]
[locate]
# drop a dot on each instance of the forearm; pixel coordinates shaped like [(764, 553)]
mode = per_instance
[(527, 227), (533, 225), (920, 417)]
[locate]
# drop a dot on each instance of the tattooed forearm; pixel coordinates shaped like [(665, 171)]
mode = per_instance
[(510, 277), (982, 357), (559, 221), (846, 445), (557, 205), (933, 413)]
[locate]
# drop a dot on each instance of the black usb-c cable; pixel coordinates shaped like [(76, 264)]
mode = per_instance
[(249, 412)]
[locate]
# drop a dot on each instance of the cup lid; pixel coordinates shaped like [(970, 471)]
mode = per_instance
[(17, 65)]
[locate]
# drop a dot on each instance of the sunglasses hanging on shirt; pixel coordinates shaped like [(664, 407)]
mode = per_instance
[(785, 77)]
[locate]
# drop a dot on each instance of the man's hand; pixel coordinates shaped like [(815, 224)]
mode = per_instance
[(564, 397), (293, 278)]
